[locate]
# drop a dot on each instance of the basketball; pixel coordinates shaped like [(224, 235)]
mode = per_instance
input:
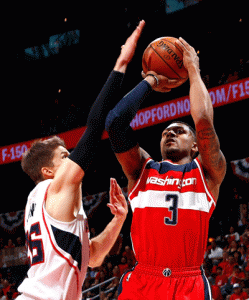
[(165, 57)]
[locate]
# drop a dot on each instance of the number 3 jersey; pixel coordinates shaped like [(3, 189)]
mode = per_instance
[(58, 251), (171, 207)]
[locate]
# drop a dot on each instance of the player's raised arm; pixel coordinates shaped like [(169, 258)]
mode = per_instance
[(63, 193), (201, 108), (122, 138)]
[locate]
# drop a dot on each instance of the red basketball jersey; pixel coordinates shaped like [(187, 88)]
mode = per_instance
[(171, 207)]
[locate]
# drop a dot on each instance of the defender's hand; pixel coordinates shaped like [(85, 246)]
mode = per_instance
[(118, 204), (128, 49)]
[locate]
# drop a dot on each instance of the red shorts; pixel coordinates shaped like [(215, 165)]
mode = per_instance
[(156, 283)]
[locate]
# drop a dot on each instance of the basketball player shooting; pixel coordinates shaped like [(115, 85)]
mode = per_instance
[(56, 228), (171, 200)]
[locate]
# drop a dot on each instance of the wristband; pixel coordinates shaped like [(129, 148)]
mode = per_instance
[(157, 80)]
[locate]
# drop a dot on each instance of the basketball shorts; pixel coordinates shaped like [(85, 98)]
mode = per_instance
[(155, 283)]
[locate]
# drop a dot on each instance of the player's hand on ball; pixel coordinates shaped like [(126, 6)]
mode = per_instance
[(118, 204), (190, 57), (162, 84)]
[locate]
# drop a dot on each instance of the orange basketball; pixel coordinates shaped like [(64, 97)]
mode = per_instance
[(165, 57)]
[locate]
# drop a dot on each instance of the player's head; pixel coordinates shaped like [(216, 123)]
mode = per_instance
[(178, 141), (43, 159)]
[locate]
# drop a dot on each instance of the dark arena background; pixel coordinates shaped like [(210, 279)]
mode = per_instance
[(56, 58)]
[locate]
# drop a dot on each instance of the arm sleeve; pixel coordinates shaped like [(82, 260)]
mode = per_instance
[(118, 120), (86, 148)]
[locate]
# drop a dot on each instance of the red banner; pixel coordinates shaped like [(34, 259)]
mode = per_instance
[(163, 112), (180, 107)]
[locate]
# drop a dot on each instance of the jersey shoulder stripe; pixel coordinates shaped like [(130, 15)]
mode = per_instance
[(166, 166)]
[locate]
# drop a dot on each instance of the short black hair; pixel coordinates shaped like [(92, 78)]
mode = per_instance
[(190, 127)]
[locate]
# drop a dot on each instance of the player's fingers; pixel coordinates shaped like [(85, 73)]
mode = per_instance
[(171, 82), (118, 188), (183, 44), (186, 45), (112, 189), (137, 32), (139, 29)]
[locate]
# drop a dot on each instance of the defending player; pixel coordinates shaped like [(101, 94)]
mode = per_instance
[(172, 200), (55, 223)]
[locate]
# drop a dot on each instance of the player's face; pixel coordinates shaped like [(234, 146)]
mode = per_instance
[(177, 142), (60, 154)]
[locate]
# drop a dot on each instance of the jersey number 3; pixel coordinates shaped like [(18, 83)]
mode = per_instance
[(35, 244), (173, 208)]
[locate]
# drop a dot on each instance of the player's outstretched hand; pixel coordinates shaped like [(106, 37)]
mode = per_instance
[(118, 204), (161, 83), (190, 57), (128, 49)]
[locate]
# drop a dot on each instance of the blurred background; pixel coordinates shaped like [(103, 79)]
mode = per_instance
[(56, 58)]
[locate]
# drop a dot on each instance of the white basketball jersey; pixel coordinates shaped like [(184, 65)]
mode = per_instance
[(58, 251)]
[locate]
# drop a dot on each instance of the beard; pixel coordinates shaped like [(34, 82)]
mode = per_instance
[(174, 154)]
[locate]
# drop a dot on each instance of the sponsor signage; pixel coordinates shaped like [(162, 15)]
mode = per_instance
[(156, 114)]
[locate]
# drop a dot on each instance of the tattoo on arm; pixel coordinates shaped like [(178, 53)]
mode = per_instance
[(209, 148)]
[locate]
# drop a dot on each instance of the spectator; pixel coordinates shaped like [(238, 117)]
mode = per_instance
[(129, 254), (238, 294), (123, 266), (116, 272), (228, 270), (109, 268), (102, 296), (216, 253), (245, 239), (112, 288), (242, 250), (6, 286), (113, 284), (220, 279), (216, 293), (237, 258), (9, 245), (246, 283), (237, 275), (130, 264), (232, 236), (89, 295), (224, 261), (233, 247)]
